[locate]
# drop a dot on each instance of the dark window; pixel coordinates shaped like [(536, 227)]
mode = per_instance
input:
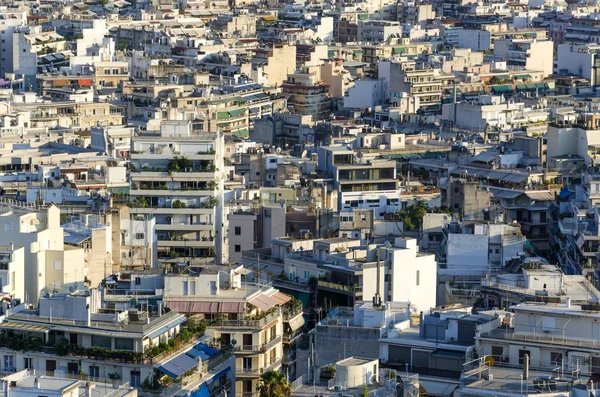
[(238, 231), (238, 248), (138, 281), (556, 358)]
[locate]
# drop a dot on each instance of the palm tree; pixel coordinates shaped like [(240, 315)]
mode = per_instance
[(273, 384)]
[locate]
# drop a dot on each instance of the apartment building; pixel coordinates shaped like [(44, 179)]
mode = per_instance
[(527, 54), (55, 267), (177, 177), (12, 18), (308, 94), (371, 31), (552, 335), (582, 60), (271, 66), (245, 315), (406, 78), (361, 183), (372, 54), (72, 334)]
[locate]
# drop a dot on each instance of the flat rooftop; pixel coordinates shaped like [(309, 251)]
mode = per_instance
[(30, 379), (353, 361)]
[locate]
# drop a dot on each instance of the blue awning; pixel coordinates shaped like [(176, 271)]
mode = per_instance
[(159, 331), (202, 391), (206, 349), (178, 365), (194, 353)]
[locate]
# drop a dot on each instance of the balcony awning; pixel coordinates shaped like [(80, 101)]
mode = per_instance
[(23, 327), (263, 302), (237, 112), (195, 353), (502, 89), (281, 298), (178, 366), (84, 82), (194, 307), (296, 322), (232, 307), (206, 349)]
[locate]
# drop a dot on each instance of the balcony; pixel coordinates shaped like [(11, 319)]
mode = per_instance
[(255, 373), (335, 287), (184, 227), (245, 323), (291, 285), (257, 349), (186, 243)]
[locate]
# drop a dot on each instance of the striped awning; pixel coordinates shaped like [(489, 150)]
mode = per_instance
[(263, 302), (206, 307), (280, 298)]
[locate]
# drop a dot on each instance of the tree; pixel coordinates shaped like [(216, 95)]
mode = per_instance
[(365, 391), (273, 384)]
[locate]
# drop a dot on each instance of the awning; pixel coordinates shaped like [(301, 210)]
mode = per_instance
[(84, 82), (61, 83), (523, 76), (296, 322), (243, 132), (179, 307), (232, 307), (238, 112), (204, 307), (263, 302), (399, 50), (222, 115), (206, 349), (23, 327), (195, 353), (159, 331), (178, 365), (281, 298), (502, 89)]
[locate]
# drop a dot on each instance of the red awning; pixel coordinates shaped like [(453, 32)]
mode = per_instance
[(84, 82), (232, 307), (179, 307)]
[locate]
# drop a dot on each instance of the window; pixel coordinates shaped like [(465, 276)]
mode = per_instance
[(418, 277), (238, 231), (138, 281), (556, 358), (9, 364), (387, 278), (192, 288), (8, 227), (28, 363), (257, 173), (238, 248), (101, 341), (139, 236), (123, 344), (497, 250), (57, 266), (135, 378), (184, 288), (115, 71), (94, 371), (306, 274)]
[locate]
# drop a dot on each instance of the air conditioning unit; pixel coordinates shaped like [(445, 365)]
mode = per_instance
[(337, 388)]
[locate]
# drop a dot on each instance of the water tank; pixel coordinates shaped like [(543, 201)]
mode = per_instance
[(454, 227)]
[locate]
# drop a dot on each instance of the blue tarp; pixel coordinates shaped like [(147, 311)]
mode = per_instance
[(565, 193), (206, 349)]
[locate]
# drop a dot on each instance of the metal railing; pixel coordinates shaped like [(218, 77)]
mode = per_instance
[(258, 371), (340, 287), (290, 284), (257, 348), (245, 322)]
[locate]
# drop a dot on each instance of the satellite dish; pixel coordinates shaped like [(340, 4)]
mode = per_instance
[(278, 150), (387, 244), (304, 154), (72, 288), (234, 342)]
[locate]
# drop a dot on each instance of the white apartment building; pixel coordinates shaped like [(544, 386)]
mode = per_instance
[(177, 177), (50, 265), (10, 19), (554, 336), (536, 55), (378, 31), (581, 60)]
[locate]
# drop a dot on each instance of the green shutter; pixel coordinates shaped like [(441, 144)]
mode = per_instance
[(222, 115), (399, 50), (238, 112), (331, 53), (242, 133)]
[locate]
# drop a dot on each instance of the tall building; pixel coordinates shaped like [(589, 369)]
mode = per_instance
[(177, 177)]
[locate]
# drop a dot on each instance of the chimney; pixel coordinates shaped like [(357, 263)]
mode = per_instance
[(526, 367), (421, 325), (568, 300)]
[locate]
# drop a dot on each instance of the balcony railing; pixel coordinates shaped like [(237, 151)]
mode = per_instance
[(258, 371), (340, 287), (258, 348), (245, 323)]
